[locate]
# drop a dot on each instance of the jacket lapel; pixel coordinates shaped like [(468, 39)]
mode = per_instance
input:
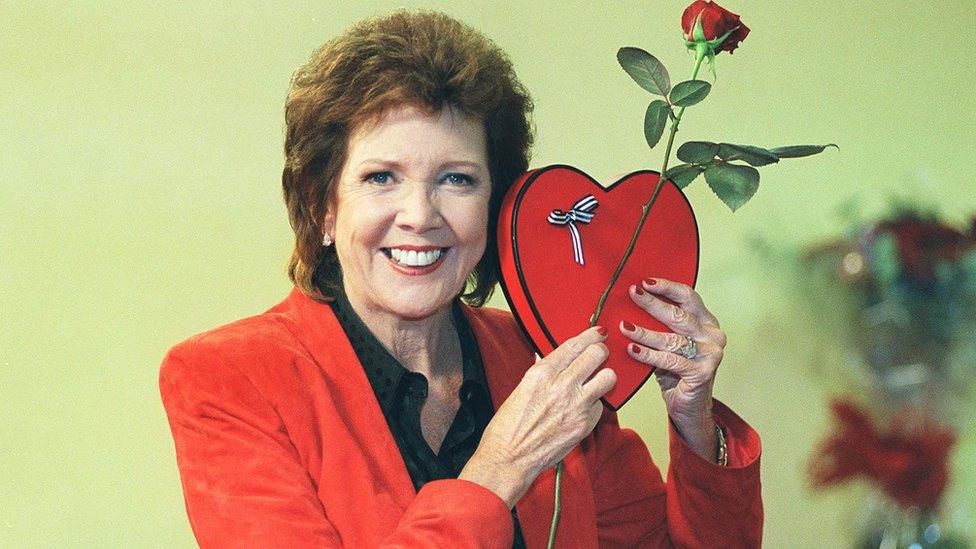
[(319, 331)]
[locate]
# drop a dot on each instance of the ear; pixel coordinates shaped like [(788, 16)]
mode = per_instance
[(328, 223), (328, 219), (327, 215)]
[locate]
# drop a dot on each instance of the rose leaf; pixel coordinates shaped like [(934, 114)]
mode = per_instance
[(689, 92), (645, 69), (697, 152), (683, 174), (796, 151), (655, 119), (754, 156), (732, 183)]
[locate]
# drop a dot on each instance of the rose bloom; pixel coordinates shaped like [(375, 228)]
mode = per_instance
[(716, 21)]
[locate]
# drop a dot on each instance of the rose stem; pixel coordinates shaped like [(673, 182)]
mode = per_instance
[(700, 51)]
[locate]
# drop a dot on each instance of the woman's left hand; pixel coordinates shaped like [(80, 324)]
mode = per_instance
[(686, 383)]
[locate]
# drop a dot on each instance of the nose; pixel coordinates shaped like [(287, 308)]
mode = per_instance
[(419, 208)]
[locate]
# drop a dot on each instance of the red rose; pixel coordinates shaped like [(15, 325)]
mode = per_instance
[(716, 22)]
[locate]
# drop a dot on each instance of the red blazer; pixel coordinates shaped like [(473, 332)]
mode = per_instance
[(281, 443)]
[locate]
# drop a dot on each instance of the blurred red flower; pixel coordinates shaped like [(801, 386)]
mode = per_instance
[(908, 461), (922, 243)]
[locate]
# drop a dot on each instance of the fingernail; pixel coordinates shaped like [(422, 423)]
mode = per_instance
[(650, 281), (601, 330), (634, 348), (638, 290), (628, 327)]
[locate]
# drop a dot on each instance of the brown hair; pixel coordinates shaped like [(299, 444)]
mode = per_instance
[(421, 58)]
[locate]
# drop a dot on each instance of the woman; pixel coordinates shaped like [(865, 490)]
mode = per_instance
[(371, 407)]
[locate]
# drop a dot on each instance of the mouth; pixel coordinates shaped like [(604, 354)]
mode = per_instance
[(414, 260)]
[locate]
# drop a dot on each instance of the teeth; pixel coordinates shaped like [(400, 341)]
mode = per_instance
[(413, 258)]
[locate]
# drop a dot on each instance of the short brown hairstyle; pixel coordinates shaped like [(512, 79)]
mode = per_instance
[(420, 58)]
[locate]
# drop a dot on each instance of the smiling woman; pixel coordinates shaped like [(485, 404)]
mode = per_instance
[(380, 404), (410, 213), (427, 61)]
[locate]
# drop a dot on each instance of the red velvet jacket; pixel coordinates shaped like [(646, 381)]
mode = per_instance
[(281, 443)]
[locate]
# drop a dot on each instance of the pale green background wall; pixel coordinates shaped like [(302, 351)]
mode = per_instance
[(140, 153)]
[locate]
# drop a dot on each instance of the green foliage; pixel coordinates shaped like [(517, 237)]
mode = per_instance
[(683, 174), (735, 184), (697, 152), (796, 151), (883, 255), (689, 92), (732, 183), (655, 119), (645, 69), (754, 156)]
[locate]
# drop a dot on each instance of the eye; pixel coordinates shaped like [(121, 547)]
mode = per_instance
[(459, 179), (380, 178)]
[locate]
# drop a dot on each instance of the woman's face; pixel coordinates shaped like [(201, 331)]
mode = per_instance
[(410, 215)]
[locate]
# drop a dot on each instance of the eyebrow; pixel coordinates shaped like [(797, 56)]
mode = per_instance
[(448, 164)]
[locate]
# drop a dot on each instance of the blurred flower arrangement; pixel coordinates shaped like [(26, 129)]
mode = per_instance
[(908, 285), (904, 290)]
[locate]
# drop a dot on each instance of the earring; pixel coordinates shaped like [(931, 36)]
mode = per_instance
[(326, 240)]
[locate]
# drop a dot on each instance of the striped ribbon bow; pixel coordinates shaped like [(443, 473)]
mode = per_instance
[(583, 212)]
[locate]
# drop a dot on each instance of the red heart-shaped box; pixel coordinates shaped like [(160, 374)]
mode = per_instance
[(553, 296)]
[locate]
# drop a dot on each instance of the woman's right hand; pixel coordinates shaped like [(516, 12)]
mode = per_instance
[(551, 410)]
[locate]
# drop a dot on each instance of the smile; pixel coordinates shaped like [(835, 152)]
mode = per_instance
[(415, 261)]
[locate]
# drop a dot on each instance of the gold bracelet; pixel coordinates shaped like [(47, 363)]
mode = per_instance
[(723, 447)]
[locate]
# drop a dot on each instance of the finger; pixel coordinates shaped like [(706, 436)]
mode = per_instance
[(678, 365), (587, 363), (595, 413), (664, 341), (600, 384), (561, 357), (683, 295), (674, 317), (670, 341)]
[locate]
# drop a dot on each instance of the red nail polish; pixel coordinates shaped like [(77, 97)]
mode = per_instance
[(650, 281), (629, 327), (634, 348), (601, 330), (638, 290)]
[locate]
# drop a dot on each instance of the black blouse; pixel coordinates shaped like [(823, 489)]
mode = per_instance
[(401, 395)]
